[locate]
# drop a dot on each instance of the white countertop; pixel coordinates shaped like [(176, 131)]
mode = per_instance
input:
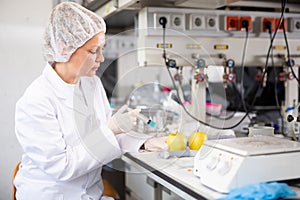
[(174, 173)]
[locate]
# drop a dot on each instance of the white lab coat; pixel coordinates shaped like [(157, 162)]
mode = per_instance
[(64, 146)]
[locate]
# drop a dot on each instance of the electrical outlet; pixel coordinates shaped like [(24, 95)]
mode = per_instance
[(295, 24), (157, 16), (283, 24), (244, 19), (177, 21), (232, 23), (211, 22), (266, 22), (197, 22)]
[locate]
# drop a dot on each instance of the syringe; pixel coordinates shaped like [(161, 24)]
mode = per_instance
[(145, 119)]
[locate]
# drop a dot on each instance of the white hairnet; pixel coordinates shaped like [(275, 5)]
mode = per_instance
[(69, 27)]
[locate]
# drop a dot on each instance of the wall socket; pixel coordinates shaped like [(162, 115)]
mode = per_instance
[(177, 21), (211, 22), (196, 22), (295, 24), (157, 16)]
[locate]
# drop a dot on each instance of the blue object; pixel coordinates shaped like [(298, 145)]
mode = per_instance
[(152, 124), (112, 105), (276, 127), (145, 119), (289, 109), (260, 191)]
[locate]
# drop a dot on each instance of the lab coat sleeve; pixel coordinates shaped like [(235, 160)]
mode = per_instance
[(128, 142), (131, 141), (101, 96), (40, 136)]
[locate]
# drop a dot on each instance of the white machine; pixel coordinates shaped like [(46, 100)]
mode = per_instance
[(229, 163)]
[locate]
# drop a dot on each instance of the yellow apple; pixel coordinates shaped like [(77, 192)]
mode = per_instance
[(176, 141), (196, 140)]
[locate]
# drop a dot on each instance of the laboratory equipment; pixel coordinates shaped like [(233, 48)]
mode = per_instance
[(216, 43), (145, 119), (261, 130), (230, 163)]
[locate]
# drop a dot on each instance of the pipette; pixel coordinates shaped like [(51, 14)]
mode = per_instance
[(145, 119)]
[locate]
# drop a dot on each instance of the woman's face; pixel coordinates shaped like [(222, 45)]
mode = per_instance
[(86, 59)]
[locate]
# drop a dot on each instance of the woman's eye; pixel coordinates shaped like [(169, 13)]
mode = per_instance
[(93, 52)]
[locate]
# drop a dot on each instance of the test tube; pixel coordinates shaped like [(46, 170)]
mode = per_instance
[(145, 119)]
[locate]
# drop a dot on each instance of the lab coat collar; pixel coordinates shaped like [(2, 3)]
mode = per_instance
[(61, 88), (69, 93)]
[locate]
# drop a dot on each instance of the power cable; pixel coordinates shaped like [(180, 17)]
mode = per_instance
[(265, 68), (245, 24), (275, 80), (163, 22), (290, 62)]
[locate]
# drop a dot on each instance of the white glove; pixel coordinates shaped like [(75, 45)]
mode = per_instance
[(123, 121)]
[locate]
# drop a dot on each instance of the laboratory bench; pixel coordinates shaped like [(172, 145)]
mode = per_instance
[(168, 175), (168, 178)]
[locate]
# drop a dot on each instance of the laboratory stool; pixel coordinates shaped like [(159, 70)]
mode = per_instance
[(109, 190), (16, 168)]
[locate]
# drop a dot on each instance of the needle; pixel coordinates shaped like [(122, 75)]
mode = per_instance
[(145, 119)]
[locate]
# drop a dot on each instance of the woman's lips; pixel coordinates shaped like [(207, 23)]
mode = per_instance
[(95, 68)]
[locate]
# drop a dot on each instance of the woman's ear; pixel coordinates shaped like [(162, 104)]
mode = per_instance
[(62, 48)]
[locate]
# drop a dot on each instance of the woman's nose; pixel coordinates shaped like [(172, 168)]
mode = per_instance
[(100, 57)]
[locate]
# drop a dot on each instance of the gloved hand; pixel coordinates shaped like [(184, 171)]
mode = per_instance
[(123, 121)]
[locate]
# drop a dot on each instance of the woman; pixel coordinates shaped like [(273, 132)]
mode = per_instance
[(63, 119)]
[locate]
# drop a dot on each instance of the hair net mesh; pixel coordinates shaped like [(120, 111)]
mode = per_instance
[(69, 27)]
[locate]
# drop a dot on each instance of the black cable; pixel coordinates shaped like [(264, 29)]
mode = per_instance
[(226, 117), (243, 69), (193, 117), (265, 69), (177, 92), (284, 32), (245, 24), (163, 21), (238, 93), (264, 72), (288, 49), (182, 105), (263, 75), (175, 87), (256, 90), (275, 84), (164, 43)]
